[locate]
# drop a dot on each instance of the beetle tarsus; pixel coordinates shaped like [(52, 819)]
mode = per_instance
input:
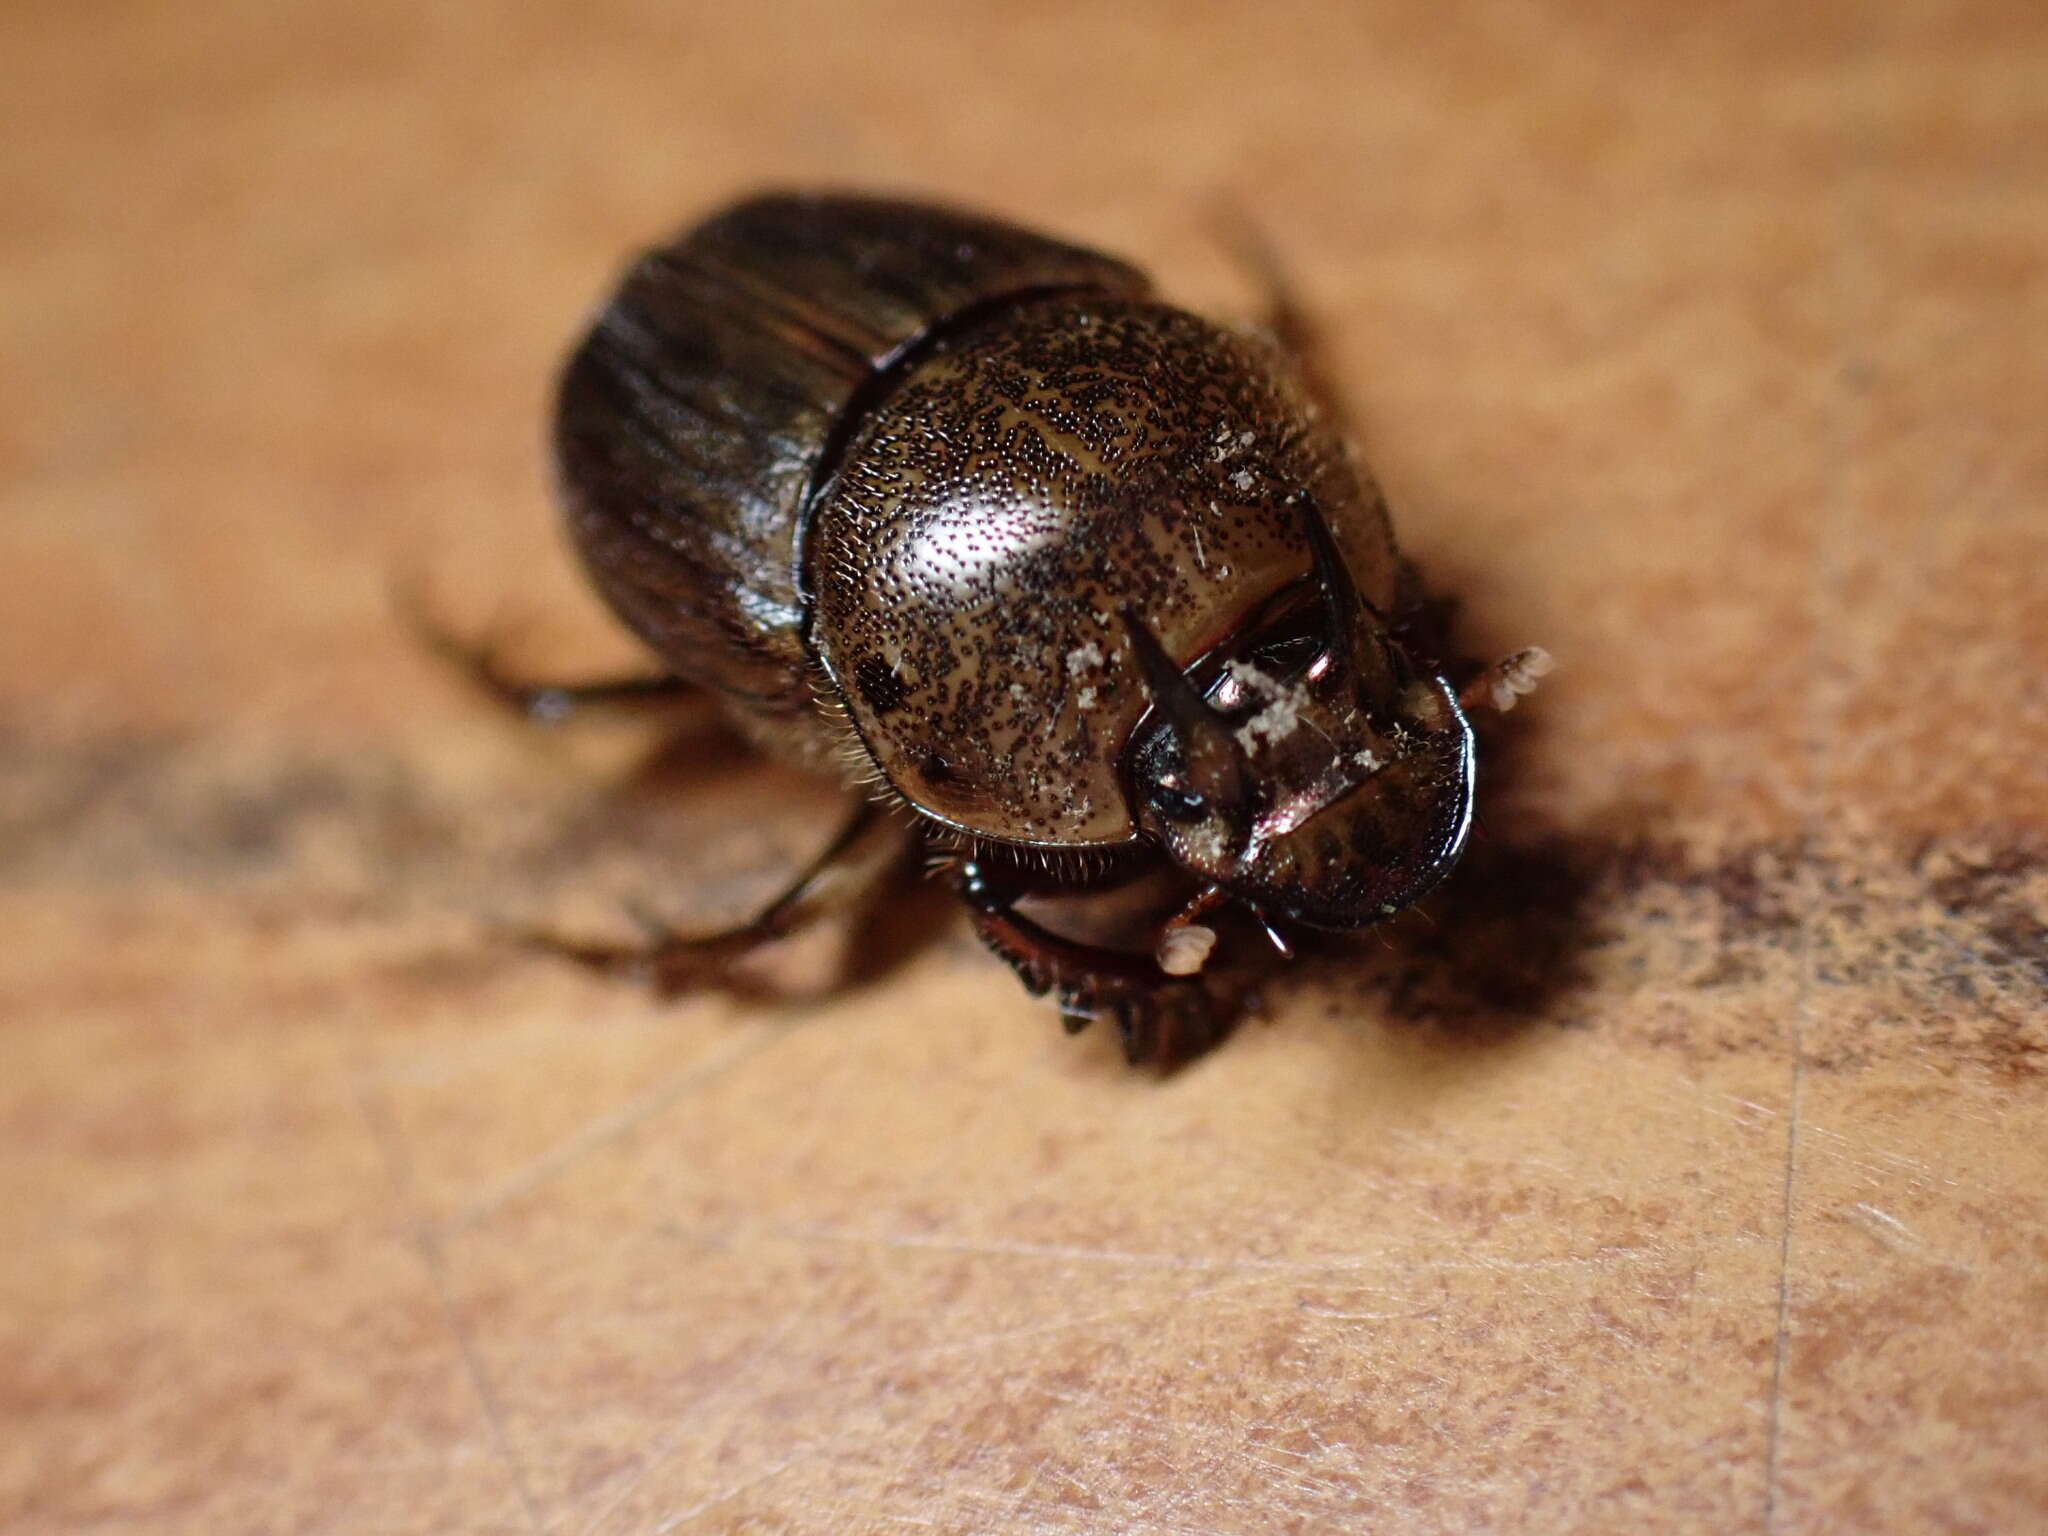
[(673, 964)]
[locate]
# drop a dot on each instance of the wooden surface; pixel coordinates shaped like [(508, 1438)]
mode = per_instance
[(1684, 1170)]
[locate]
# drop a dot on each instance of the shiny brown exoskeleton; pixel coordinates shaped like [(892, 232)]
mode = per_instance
[(1085, 585)]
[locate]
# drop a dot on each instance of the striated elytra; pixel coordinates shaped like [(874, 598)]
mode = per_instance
[(1073, 586)]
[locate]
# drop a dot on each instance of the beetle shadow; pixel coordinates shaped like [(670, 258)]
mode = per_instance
[(1493, 952), (1499, 948)]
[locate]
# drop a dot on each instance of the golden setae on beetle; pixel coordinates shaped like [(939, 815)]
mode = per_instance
[(1075, 586)]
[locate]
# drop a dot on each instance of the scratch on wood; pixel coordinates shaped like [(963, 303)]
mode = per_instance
[(1334, 1264), (692, 1426), (1781, 1344), (385, 1134), (727, 1495), (1312, 1310), (611, 1126), (1887, 1228), (1828, 586)]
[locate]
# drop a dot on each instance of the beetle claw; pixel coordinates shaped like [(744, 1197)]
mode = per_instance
[(673, 965), (1168, 1025), (610, 959)]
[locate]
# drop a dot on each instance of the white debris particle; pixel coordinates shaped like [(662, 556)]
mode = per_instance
[(1229, 445), (1208, 844), (1087, 654), (1184, 950), (1243, 480), (1516, 675), (1279, 714), (1084, 698), (1280, 719)]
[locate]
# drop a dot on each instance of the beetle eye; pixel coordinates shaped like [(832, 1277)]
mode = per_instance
[(1177, 804)]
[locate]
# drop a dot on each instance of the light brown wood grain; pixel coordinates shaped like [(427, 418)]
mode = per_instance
[(1683, 1168)]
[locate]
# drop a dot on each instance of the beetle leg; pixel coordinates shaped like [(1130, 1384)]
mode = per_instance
[(864, 850), (480, 663), (549, 702), (1285, 318), (1159, 1018)]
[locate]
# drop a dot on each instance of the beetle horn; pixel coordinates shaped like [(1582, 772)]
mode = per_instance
[(1215, 763), (1343, 602)]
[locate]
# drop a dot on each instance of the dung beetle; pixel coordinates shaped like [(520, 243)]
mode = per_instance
[(1074, 587)]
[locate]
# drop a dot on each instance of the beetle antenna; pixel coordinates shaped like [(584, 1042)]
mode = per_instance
[(1215, 763)]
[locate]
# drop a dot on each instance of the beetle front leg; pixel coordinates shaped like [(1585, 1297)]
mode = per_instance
[(1159, 1018), (866, 848)]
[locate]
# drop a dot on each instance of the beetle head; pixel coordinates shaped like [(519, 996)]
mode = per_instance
[(1320, 776)]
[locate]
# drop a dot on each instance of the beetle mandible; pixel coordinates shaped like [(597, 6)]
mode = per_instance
[(1070, 584)]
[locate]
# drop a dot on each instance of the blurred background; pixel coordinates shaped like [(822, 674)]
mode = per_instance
[(1680, 1167)]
